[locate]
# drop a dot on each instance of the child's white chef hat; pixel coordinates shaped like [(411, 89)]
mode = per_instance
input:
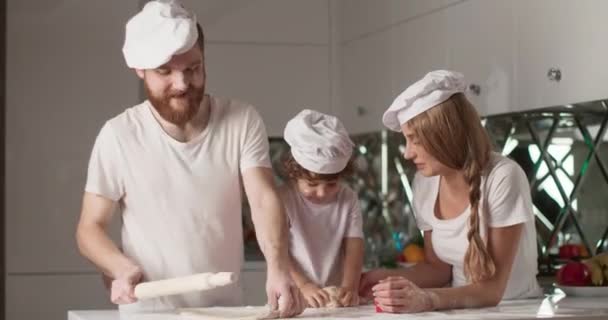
[(319, 142)]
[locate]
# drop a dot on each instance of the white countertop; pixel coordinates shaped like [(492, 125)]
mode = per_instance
[(555, 306)]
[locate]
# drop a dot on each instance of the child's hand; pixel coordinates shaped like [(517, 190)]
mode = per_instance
[(315, 296), (348, 297)]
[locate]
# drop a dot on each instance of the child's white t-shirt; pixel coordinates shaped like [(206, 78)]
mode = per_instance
[(316, 232), (180, 201), (506, 198)]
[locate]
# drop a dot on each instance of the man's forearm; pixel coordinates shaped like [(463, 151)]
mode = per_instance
[(271, 230), (96, 246)]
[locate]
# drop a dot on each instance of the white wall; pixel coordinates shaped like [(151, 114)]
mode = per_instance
[(273, 54), (65, 75), (383, 51)]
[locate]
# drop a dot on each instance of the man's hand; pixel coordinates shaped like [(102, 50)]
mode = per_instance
[(283, 294), (122, 289)]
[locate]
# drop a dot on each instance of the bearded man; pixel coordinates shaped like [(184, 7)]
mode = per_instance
[(174, 166)]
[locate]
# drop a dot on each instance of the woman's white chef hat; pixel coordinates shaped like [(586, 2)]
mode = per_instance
[(435, 88), (162, 29), (319, 142)]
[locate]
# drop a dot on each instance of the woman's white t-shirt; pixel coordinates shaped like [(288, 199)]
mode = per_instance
[(505, 197)]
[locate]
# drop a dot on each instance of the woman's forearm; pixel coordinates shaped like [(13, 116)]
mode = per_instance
[(471, 296), (427, 275)]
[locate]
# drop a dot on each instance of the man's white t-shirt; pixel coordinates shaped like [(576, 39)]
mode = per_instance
[(180, 201), (505, 196), (316, 232)]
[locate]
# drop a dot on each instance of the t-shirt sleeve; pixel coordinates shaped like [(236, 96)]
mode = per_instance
[(509, 201), (254, 147), (420, 193), (354, 228), (104, 176)]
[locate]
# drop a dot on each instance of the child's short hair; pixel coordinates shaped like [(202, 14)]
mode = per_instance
[(294, 171)]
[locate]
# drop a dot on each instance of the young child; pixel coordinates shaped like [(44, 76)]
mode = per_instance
[(325, 227)]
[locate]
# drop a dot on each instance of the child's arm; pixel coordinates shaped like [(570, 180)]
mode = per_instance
[(353, 264), (315, 297)]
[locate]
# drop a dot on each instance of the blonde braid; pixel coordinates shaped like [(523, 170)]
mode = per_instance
[(478, 264)]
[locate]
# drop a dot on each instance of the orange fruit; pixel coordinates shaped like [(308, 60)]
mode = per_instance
[(413, 253)]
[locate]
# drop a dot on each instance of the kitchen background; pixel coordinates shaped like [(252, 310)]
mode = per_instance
[(538, 75)]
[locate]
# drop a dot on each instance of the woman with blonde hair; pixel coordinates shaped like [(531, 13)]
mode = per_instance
[(472, 204)]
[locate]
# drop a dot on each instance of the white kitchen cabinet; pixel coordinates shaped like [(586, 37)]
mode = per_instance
[(377, 68), (567, 35), (359, 18), (270, 53), (278, 80), (263, 21), (481, 44), (418, 47), (366, 83)]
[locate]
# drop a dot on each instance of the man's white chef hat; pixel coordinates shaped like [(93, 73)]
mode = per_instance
[(435, 88), (319, 142), (162, 29)]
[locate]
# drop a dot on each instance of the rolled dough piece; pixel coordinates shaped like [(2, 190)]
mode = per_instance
[(197, 282), (231, 313)]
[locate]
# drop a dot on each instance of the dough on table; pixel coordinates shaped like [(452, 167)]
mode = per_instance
[(333, 293), (334, 298)]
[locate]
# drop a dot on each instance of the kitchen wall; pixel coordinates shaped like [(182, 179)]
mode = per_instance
[(65, 75)]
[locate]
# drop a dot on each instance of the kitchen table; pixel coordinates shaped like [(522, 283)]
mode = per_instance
[(556, 306)]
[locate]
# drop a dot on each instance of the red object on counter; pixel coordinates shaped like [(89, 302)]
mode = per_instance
[(574, 274), (378, 309)]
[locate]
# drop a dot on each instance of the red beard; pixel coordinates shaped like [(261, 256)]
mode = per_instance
[(184, 107)]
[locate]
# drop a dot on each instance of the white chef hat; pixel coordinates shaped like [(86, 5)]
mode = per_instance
[(435, 88), (163, 28), (319, 142)]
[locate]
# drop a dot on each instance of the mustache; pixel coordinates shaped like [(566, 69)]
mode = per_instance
[(189, 91)]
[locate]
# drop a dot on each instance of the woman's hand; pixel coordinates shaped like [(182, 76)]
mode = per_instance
[(370, 279), (399, 295)]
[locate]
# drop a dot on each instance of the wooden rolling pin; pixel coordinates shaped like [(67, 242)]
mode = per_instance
[(196, 282)]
